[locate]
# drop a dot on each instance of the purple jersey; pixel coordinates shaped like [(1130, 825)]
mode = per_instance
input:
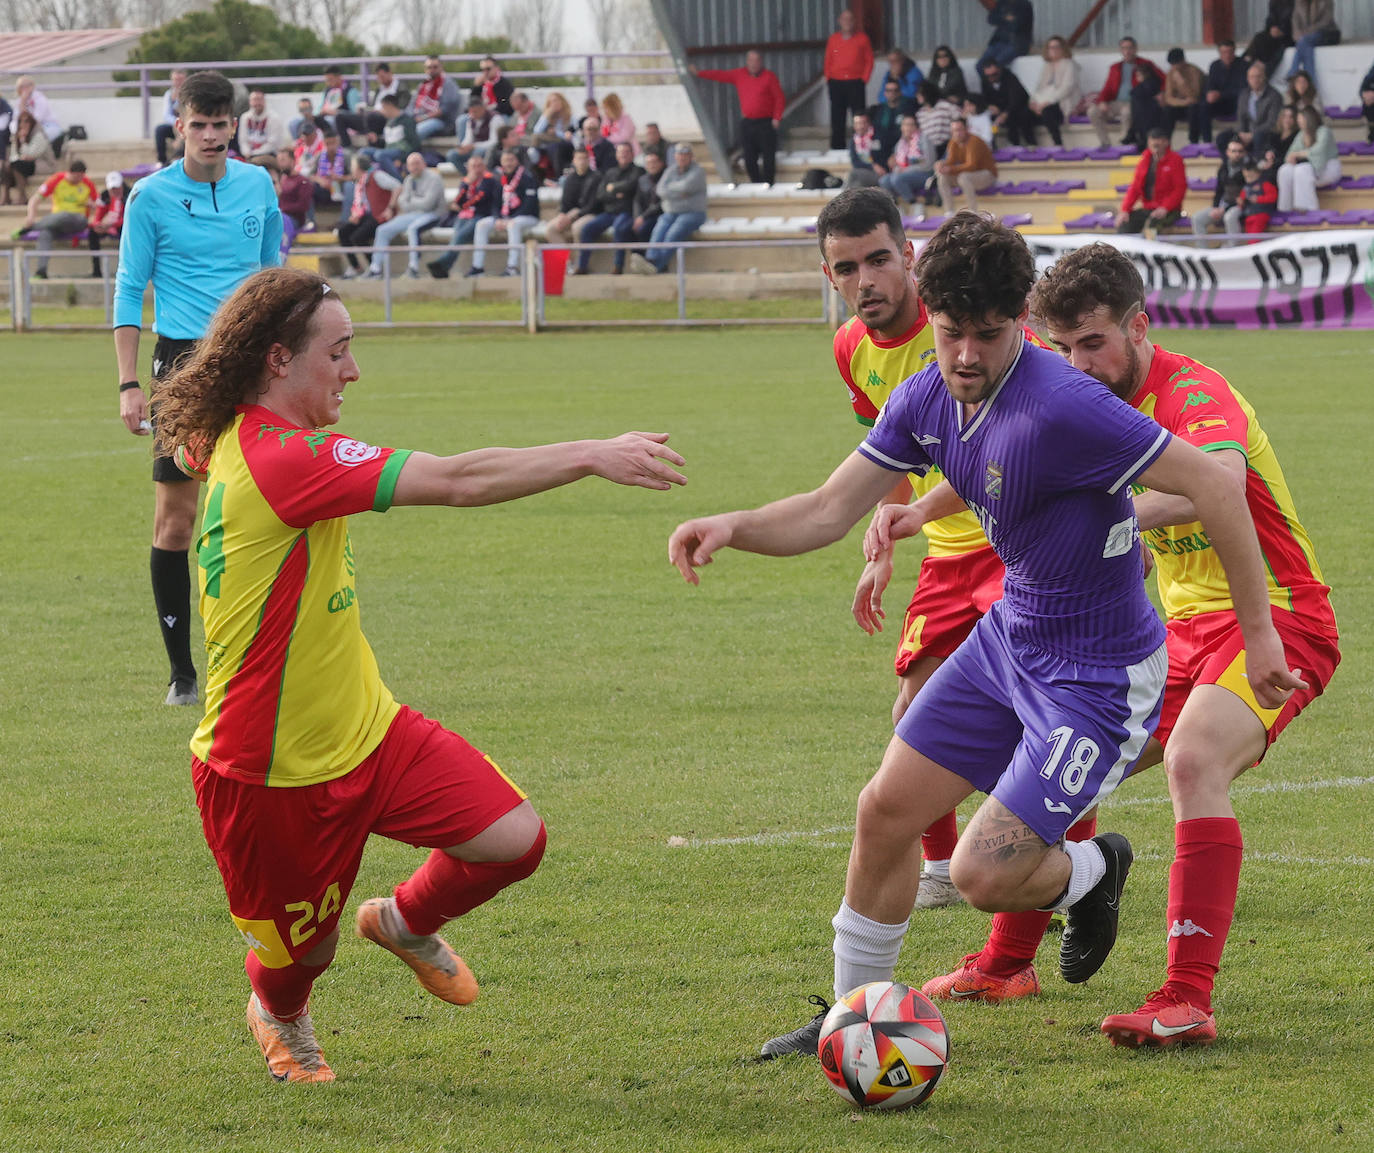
[(1046, 463)]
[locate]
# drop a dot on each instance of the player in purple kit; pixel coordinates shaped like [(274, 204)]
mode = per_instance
[(1053, 695)]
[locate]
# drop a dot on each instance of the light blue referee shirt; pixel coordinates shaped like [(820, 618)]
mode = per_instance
[(197, 242)]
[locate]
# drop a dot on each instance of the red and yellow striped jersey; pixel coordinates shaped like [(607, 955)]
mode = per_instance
[(872, 368), (1197, 404), (292, 694)]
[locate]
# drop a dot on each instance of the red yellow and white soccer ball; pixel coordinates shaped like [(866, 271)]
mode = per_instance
[(884, 1046)]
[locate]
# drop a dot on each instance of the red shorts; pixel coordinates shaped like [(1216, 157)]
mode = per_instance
[(1208, 650), (289, 856), (952, 593)]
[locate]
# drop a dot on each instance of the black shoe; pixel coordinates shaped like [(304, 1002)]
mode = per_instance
[(1090, 925), (182, 691), (438, 269), (474, 272), (41, 274), (805, 1040)]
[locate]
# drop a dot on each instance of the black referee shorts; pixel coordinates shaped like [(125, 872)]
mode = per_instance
[(167, 357)]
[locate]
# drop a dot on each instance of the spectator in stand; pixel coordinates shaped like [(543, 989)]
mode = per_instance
[(524, 116), (908, 171), (374, 194), (437, 102), (903, 69), (1013, 29), (761, 105), (848, 65), (1059, 91), (1225, 84), (1280, 16), (331, 173), (865, 149), (30, 155), (1367, 103), (654, 142), (72, 195), (1312, 163), (295, 195), (1147, 93), (968, 167), (517, 213), (615, 194), (600, 151), (481, 129), (1155, 198), (1114, 103), (305, 110), (553, 133), (979, 121), (260, 134), (1257, 112), (934, 115), (647, 208), (1285, 132), (1182, 97), (366, 124), (309, 144), (886, 119), (6, 121), (1314, 26), (1008, 103), (947, 75), (107, 219), (616, 124), (1302, 93), (419, 205), (478, 198), (165, 132), (28, 98), (1230, 179), (1257, 199), (682, 193), (493, 89), (337, 98), (591, 110), (399, 138), (578, 198), (1269, 44)]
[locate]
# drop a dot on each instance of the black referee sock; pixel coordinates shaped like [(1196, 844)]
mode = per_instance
[(172, 595)]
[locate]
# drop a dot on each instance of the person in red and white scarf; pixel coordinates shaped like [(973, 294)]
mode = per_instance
[(478, 197), (493, 89), (909, 169), (519, 212), (107, 218), (437, 102), (374, 200)]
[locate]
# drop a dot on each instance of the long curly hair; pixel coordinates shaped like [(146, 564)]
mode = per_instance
[(975, 267), (196, 403)]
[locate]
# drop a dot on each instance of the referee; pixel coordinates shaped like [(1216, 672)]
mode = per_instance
[(196, 229)]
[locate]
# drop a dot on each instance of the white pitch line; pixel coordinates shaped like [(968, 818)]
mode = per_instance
[(783, 838)]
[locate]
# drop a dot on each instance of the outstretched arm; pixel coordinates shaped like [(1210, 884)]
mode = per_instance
[(795, 524), (494, 475), (1156, 509), (1218, 498)]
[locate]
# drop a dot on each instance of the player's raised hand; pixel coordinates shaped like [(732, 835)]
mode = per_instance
[(693, 542), (133, 411), (891, 522), (639, 458), (868, 594), (1266, 668)]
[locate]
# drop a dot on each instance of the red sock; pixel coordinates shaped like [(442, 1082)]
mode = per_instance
[(938, 841), (445, 887), (283, 992), (1016, 936), (1203, 882)]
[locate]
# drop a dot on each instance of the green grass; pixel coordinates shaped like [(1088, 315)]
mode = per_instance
[(623, 983)]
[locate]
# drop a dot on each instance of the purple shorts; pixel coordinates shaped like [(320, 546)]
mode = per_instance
[(1047, 737)]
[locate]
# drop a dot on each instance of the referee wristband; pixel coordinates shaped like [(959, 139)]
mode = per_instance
[(128, 384)]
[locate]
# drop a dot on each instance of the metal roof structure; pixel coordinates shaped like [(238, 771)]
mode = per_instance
[(31, 51)]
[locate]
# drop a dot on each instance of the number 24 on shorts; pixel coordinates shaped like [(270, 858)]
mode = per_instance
[(264, 938)]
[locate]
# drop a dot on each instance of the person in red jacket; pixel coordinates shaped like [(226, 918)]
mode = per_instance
[(1155, 198), (1114, 101), (107, 218), (848, 65), (760, 105)]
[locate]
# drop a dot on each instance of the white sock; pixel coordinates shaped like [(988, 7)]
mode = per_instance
[(938, 869), (864, 950), (1087, 865)]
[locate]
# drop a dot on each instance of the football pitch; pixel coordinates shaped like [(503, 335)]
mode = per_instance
[(696, 754)]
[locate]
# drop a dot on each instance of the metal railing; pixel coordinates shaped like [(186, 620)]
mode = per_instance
[(149, 79), (533, 314)]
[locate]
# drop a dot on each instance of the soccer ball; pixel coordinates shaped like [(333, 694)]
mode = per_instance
[(884, 1046)]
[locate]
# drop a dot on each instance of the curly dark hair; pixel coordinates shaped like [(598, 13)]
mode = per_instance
[(197, 402), (975, 267), (1082, 280)]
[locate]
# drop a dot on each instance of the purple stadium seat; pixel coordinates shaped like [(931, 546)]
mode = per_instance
[(1060, 187), (1017, 219), (1355, 148), (1336, 112), (1007, 155), (1193, 151), (929, 224), (1039, 155), (1079, 120), (1106, 153), (137, 172), (1202, 184), (1069, 154), (1090, 220), (1355, 217)]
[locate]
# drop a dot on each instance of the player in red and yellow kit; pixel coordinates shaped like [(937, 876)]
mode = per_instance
[(303, 751), (1212, 729)]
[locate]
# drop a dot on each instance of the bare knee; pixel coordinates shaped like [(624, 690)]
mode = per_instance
[(323, 953), (511, 837), (1191, 772), (174, 518), (979, 885)]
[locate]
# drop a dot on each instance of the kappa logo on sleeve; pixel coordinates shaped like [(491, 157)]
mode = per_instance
[(350, 453)]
